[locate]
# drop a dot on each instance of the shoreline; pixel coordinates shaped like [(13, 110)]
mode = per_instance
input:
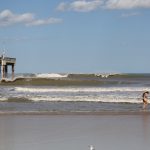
[(82, 113)]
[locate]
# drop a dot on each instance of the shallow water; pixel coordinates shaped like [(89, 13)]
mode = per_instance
[(61, 132), (69, 107)]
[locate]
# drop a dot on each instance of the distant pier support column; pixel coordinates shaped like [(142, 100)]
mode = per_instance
[(6, 71), (13, 71), (5, 62), (2, 71)]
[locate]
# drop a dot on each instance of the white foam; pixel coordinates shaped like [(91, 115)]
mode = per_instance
[(105, 75), (3, 99), (85, 99), (79, 89), (51, 75), (89, 94)]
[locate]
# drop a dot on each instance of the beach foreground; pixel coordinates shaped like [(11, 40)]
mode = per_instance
[(75, 132)]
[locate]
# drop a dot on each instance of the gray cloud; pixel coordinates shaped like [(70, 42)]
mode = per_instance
[(8, 18)]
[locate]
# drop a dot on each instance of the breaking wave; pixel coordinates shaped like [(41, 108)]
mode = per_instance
[(48, 79), (51, 75), (78, 89), (73, 94), (51, 87)]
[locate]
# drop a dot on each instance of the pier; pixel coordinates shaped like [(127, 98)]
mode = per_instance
[(4, 63)]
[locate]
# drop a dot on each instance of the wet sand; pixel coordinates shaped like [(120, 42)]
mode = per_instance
[(75, 132)]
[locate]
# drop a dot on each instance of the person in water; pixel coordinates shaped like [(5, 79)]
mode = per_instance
[(145, 99)]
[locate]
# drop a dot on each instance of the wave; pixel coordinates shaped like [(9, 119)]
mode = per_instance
[(74, 89), (106, 75), (99, 75), (52, 79), (72, 94), (51, 75), (70, 99)]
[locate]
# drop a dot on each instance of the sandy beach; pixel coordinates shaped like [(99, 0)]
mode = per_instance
[(75, 132)]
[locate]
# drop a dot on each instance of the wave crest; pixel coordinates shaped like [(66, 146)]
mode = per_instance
[(51, 75)]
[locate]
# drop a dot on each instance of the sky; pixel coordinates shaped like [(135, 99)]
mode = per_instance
[(76, 36)]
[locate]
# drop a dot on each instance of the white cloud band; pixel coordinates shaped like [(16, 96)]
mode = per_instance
[(80, 5), (91, 5), (8, 18), (127, 4)]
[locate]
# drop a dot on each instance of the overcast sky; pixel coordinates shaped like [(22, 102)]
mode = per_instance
[(76, 36)]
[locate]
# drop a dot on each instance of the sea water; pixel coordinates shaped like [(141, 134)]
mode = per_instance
[(74, 92)]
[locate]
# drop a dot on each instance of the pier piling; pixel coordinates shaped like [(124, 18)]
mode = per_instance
[(4, 63)]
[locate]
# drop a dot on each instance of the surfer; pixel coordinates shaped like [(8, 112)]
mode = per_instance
[(145, 99)]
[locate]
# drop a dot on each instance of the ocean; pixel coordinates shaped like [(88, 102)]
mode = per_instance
[(53, 92), (74, 111)]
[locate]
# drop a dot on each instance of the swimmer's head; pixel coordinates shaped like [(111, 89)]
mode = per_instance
[(146, 92)]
